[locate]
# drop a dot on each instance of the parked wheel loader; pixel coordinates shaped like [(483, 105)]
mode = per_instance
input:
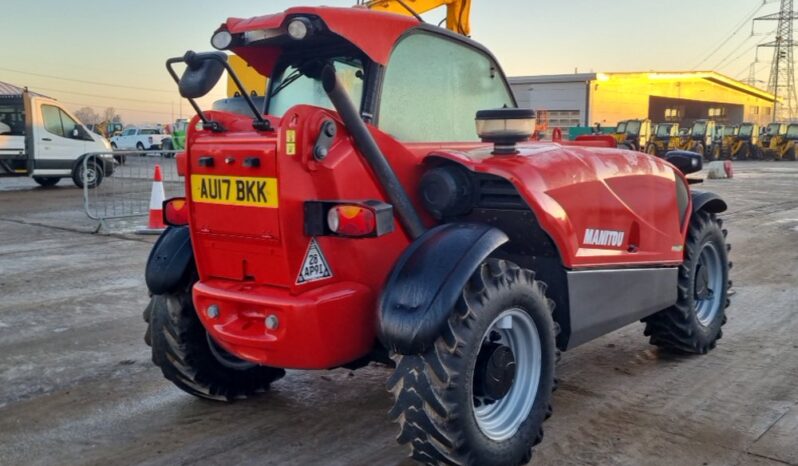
[(664, 140), (636, 135), (746, 143), (331, 228), (701, 139), (782, 147), (772, 140)]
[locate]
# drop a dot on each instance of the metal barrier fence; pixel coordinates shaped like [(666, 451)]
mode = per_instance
[(118, 184)]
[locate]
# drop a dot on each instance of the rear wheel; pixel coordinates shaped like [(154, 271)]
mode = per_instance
[(693, 324), (699, 149), (790, 155), (480, 394), (140, 147), (191, 360), (46, 181)]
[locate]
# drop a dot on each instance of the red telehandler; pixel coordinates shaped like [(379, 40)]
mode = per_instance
[(386, 204)]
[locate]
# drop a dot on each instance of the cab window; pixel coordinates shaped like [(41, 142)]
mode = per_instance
[(57, 122), (433, 88), (291, 87)]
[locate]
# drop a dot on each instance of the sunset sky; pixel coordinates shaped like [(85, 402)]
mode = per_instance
[(109, 53)]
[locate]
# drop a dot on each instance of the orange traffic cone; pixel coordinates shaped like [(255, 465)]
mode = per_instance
[(155, 224)]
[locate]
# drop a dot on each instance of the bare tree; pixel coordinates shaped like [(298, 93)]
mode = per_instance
[(88, 116), (110, 115)]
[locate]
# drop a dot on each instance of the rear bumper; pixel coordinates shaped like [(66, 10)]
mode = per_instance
[(320, 329)]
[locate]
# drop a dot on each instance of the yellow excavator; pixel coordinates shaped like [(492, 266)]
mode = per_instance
[(458, 20)]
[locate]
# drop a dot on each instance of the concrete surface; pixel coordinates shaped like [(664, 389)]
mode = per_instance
[(77, 385)]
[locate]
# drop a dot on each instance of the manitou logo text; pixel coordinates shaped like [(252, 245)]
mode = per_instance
[(609, 238)]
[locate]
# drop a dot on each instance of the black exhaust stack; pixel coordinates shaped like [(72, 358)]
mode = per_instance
[(368, 147)]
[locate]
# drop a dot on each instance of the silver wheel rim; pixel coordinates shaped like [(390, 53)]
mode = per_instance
[(89, 175), (501, 419), (708, 284)]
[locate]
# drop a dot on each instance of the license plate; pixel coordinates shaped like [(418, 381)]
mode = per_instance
[(234, 190)]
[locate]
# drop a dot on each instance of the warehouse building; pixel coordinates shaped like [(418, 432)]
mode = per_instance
[(584, 99)]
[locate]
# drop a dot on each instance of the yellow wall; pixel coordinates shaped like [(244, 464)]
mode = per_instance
[(624, 96)]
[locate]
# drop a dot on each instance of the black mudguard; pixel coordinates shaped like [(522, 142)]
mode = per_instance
[(170, 261), (427, 281), (710, 202)]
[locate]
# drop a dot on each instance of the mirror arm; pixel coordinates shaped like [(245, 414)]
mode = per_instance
[(169, 67)]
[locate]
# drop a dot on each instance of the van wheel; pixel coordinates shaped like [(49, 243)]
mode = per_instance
[(92, 177), (46, 181), (480, 394)]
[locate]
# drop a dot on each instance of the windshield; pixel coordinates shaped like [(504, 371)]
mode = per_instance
[(746, 131), (293, 88), (621, 128), (663, 131), (699, 128), (633, 128), (773, 128)]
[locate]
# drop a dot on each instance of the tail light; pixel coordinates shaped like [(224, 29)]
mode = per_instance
[(175, 211), (352, 219)]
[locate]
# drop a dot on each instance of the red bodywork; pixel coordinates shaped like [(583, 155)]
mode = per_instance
[(249, 258)]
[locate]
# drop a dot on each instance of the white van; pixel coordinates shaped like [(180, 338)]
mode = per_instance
[(41, 139)]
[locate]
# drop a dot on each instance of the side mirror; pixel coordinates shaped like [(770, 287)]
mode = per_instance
[(203, 71), (686, 162)]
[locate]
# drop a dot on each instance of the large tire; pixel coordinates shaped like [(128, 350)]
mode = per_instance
[(693, 324), (46, 181), (651, 149), (92, 177), (790, 155), (699, 149), (442, 404), (715, 153), (192, 361)]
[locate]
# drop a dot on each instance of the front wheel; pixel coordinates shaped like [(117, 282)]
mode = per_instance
[(191, 360), (46, 181), (480, 394), (89, 174), (693, 324)]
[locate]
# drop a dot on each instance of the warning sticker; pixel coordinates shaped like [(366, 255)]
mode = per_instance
[(315, 266)]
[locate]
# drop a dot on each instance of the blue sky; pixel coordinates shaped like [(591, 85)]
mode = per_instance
[(126, 43)]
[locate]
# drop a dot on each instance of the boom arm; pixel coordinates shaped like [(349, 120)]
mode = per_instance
[(458, 12)]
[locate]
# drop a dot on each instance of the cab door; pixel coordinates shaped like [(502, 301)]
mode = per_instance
[(58, 139)]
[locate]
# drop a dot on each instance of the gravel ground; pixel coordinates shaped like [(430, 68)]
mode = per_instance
[(77, 385)]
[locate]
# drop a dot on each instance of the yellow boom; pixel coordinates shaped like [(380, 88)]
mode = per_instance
[(458, 12)]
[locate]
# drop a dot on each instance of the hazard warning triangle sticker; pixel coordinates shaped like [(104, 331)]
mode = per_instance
[(315, 266)]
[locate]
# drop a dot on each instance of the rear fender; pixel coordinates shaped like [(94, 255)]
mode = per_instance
[(710, 202), (170, 262), (427, 281)]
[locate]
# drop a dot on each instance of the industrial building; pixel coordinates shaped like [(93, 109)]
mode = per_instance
[(584, 99)]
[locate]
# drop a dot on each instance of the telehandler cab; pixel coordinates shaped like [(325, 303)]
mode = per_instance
[(359, 216)]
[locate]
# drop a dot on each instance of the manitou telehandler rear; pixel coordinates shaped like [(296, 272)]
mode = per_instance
[(386, 204)]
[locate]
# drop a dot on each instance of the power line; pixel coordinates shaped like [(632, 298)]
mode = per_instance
[(83, 104), (97, 83), (103, 96), (735, 30)]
